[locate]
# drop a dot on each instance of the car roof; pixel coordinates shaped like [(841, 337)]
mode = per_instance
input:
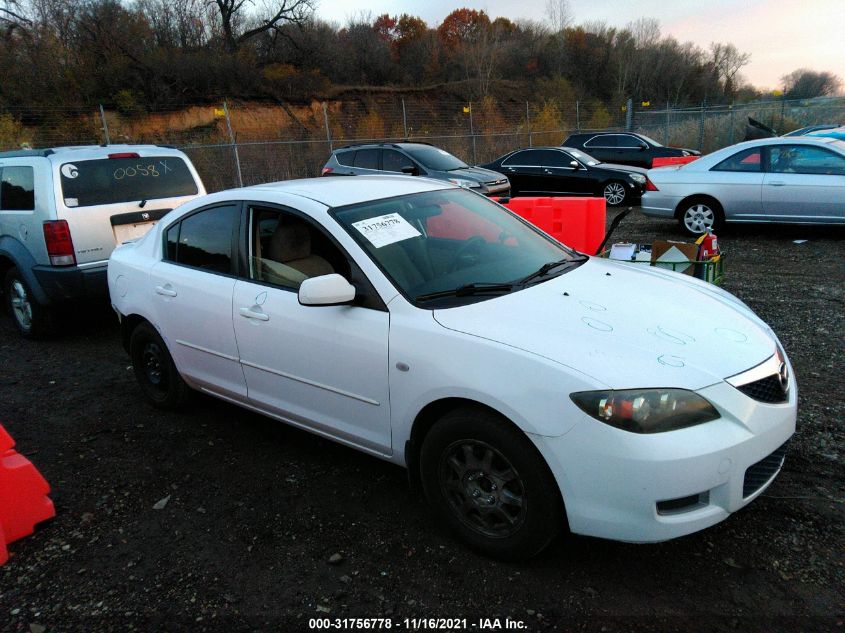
[(83, 152), (338, 191), (397, 144)]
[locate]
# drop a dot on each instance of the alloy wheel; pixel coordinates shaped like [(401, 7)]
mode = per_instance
[(699, 218), (614, 193), (482, 488)]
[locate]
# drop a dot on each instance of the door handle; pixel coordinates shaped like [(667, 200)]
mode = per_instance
[(548, 171), (250, 314), (777, 183), (166, 290)]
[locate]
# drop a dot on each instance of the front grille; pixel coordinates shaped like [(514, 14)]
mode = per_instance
[(768, 389), (757, 475)]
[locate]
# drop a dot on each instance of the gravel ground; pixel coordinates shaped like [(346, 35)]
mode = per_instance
[(264, 526)]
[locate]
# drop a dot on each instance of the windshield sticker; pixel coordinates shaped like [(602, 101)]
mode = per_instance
[(71, 202), (386, 229)]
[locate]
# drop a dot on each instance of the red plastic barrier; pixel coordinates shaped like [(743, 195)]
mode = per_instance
[(577, 222), (23, 495), (672, 160)]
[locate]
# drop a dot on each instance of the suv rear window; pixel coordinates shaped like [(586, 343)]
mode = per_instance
[(346, 158), (88, 183)]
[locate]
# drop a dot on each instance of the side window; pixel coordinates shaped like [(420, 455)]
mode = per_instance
[(627, 141), (366, 158), (528, 158), (391, 160), (204, 240), (602, 140), (346, 158), (747, 160), (17, 192), (553, 158), (801, 159), (286, 249)]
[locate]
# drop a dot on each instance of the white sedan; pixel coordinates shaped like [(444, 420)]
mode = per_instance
[(787, 179), (529, 387)]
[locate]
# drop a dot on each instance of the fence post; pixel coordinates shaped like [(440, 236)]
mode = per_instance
[(629, 115), (666, 134), (404, 118), (234, 144), (105, 124), (701, 128), (328, 132), (472, 134), (528, 123), (577, 115), (732, 124)]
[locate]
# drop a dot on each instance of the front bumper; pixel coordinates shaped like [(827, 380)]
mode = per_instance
[(612, 481), (70, 283)]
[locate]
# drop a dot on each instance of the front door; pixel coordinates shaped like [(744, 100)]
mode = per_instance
[(804, 184), (320, 367)]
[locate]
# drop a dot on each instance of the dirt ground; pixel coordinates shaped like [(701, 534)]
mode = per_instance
[(256, 511)]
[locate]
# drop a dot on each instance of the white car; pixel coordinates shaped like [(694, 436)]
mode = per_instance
[(528, 386), (787, 179)]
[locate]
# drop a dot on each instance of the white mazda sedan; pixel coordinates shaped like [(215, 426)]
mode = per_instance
[(527, 387)]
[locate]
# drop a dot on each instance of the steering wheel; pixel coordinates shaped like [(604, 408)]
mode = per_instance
[(468, 253)]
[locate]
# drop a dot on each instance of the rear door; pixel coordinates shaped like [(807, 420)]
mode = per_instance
[(116, 198), (804, 184), (559, 176), (523, 170)]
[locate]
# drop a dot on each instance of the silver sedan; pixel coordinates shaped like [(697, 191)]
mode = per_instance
[(795, 180)]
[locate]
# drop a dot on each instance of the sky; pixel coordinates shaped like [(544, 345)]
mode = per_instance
[(780, 35)]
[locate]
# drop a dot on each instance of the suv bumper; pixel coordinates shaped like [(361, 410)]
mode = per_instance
[(72, 282)]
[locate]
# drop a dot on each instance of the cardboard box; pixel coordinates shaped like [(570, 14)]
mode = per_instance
[(674, 256)]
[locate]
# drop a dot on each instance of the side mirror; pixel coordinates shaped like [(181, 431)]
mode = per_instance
[(575, 165), (643, 147), (411, 170), (326, 290)]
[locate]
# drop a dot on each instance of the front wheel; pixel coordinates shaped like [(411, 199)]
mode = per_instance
[(155, 371), (614, 193), (490, 485), (700, 215), (31, 319)]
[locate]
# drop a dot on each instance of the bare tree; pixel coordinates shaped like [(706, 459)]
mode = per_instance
[(727, 61), (238, 26), (806, 84), (12, 16), (560, 14)]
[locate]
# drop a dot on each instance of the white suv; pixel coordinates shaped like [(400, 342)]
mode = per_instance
[(63, 210)]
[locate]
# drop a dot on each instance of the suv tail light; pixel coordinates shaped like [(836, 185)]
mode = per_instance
[(326, 170), (59, 243), (649, 186)]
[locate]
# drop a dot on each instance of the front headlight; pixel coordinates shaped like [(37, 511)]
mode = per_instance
[(637, 178), (462, 182), (646, 410)]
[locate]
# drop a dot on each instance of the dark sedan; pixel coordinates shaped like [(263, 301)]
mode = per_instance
[(563, 171), (625, 148)]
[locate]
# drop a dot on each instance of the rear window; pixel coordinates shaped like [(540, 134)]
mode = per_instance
[(17, 191), (87, 183)]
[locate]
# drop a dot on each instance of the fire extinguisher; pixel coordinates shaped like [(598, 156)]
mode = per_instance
[(708, 246)]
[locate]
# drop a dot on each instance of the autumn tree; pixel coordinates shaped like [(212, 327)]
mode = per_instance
[(806, 84), (238, 27)]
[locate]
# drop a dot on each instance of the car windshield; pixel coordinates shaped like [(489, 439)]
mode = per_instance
[(584, 158), (451, 247), (648, 139), (86, 183), (434, 158)]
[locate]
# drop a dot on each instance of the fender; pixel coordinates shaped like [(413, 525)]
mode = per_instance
[(24, 261)]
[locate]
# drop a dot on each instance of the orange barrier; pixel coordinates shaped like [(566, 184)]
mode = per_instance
[(577, 222), (672, 160), (23, 495)]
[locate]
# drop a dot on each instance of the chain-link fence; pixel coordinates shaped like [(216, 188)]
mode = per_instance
[(235, 143)]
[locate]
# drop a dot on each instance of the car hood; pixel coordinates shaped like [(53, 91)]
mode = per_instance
[(476, 174), (625, 326), (626, 168)]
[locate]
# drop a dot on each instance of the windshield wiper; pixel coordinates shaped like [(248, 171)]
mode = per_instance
[(467, 290), (548, 267)]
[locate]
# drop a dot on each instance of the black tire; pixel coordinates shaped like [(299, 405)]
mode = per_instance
[(700, 214), (615, 193), (490, 485), (155, 371), (31, 319)]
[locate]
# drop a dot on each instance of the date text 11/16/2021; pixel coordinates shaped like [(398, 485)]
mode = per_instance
[(417, 624)]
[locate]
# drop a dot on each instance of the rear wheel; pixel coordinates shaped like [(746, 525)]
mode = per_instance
[(490, 485), (614, 193), (31, 319), (155, 371), (700, 215)]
